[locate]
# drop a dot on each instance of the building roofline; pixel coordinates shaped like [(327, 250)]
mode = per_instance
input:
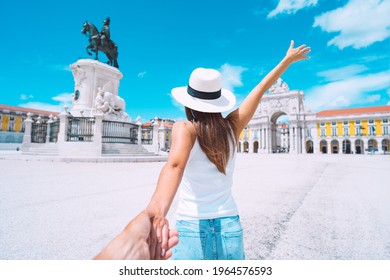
[(26, 110)]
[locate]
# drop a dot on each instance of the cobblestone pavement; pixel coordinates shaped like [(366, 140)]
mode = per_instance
[(291, 206)]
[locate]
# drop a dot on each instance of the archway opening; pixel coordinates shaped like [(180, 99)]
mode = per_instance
[(246, 147), (324, 147), (346, 147), (386, 145), (280, 135), (256, 147), (334, 146), (309, 147), (359, 147), (372, 145)]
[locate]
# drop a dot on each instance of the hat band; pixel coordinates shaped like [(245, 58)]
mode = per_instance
[(203, 94)]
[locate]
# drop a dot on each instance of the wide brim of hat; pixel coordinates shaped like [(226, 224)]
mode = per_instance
[(222, 104)]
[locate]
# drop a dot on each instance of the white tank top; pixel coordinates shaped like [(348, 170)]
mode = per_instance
[(206, 193)]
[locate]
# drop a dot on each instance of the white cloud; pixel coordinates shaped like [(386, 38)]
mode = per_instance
[(359, 23), (61, 67), (347, 92), (62, 99), (25, 96), (373, 98), (141, 74), (231, 76), (42, 106), (342, 72), (291, 6)]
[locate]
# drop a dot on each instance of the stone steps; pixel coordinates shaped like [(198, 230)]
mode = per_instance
[(117, 149), (42, 149)]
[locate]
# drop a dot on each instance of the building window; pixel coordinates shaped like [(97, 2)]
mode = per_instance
[(371, 121), (322, 124), (372, 130), (308, 132), (385, 130), (345, 122), (357, 122), (11, 119), (333, 123), (11, 126), (346, 131), (246, 133), (358, 131), (383, 121), (334, 131), (322, 131)]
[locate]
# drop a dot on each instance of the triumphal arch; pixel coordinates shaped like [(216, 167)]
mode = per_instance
[(264, 134)]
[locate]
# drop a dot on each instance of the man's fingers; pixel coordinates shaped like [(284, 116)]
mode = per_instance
[(152, 242)]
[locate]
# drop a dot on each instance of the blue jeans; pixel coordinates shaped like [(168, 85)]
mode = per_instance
[(213, 239)]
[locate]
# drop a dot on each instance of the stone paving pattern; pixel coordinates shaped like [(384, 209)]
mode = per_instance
[(292, 206)]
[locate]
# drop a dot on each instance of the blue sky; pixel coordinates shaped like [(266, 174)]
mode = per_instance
[(161, 42)]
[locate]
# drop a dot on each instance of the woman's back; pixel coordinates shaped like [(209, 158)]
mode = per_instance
[(205, 192)]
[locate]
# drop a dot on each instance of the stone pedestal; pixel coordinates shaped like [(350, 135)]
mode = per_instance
[(89, 75)]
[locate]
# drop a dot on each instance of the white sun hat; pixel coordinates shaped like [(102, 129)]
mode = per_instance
[(204, 92)]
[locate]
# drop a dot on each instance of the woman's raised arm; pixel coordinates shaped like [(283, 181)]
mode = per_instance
[(245, 112)]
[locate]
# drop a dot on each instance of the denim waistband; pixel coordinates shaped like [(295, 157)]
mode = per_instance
[(210, 224)]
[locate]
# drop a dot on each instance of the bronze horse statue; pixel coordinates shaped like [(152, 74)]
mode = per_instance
[(99, 42)]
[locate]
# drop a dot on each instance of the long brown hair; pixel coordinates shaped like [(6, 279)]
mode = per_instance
[(213, 133)]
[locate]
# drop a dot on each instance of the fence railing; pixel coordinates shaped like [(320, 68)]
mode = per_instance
[(38, 132), (119, 132), (54, 129), (80, 129)]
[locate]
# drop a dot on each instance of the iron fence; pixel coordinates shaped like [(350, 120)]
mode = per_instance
[(54, 129), (38, 132), (119, 132), (80, 129)]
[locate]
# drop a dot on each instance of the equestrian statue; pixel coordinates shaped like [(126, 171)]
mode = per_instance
[(101, 41)]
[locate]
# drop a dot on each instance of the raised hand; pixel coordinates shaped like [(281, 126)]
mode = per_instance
[(299, 53)]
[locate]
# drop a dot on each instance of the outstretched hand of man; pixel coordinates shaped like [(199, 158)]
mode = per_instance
[(133, 242)]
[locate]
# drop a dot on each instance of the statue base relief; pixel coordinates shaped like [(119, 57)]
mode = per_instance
[(93, 78)]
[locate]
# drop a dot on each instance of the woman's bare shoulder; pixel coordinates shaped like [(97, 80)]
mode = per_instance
[(184, 126)]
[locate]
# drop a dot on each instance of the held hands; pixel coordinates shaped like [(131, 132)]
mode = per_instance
[(297, 54), (159, 238), (138, 242)]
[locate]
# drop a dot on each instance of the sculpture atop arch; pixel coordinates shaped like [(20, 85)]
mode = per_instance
[(279, 86)]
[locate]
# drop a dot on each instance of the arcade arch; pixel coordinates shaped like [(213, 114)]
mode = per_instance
[(309, 147), (334, 146), (386, 145), (372, 145), (256, 147), (324, 147), (359, 146), (346, 147)]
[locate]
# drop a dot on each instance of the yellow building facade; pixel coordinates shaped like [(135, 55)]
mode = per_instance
[(12, 124)]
